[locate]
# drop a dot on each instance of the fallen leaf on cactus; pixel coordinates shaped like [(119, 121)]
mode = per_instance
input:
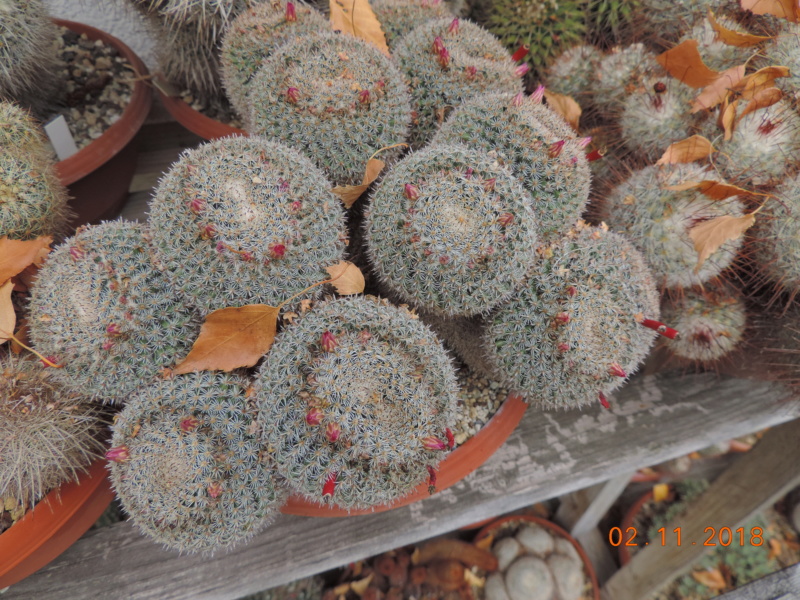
[(565, 106), (232, 338), (716, 190), (346, 278), (762, 99), (686, 65), (360, 586), (711, 578), (356, 17), (728, 118), (8, 318), (18, 254), (735, 38), (710, 235), (786, 9), (688, 150), (717, 91), (759, 81), (348, 194), (21, 335)]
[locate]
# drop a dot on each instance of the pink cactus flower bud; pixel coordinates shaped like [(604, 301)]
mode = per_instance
[(247, 256), (583, 142), (538, 94), (363, 97), (364, 336), (329, 487), (438, 45), (295, 206), (197, 205), (107, 345), (277, 250), (291, 14), (556, 148), (521, 53), (489, 184), (616, 370), (411, 192), (444, 259), (563, 347), (332, 432), (572, 291), (433, 443), (292, 95), (468, 173), (505, 219), (431, 477), (471, 72), (328, 341), (453, 27), (603, 400), (451, 440), (444, 58), (208, 231), (76, 253), (518, 99), (660, 328), (118, 454), (380, 85), (562, 317), (215, 489), (314, 416), (189, 424), (113, 329), (521, 70)]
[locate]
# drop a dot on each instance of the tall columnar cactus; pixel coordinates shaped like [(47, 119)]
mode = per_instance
[(398, 17), (536, 144), (658, 220), (764, 145), (46, 434), (28, 59), (572, 72), (334, 97), (187, 464), (711, 321), (356, 400), (102, 311), (576, 321), (245, 220), (619, 72), (785, 50), (448, 62), (451, 230), (254, 35)]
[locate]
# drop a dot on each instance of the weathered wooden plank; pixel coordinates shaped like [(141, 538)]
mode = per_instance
[(754, 481), (653, 419), (781, 585)]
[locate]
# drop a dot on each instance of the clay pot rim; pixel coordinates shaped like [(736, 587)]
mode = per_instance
[(195, 121), (54, 524), (458, 464), (116, 137), (587, 564), (627, 521)]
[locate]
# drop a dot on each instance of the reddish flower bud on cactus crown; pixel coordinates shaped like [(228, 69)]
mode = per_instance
[(189, 424), (291, 14), (314, 416), (411, 191), (433, 443), (328, 341), (292, 95), (332, 432), (329, 487), (118, 454)]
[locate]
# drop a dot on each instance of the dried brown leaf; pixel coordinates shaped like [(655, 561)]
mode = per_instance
[(15, 255), (711, 578), (485, 543), (716, 190), (708, 236), (350, 193), (786, 9), (728, 118), (762, 99), (450, 549), (357, 18), (688, 150), (565, 106), (717, 91), (735, 38), (21, 335), (762, 79), (231, 338), (686, 65), (360, 586), (347, 278), (8, 318)]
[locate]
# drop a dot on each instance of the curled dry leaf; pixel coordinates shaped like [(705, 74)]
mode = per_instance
[(719, 89), (688, 150), (686, 65), (735, 38), (708, 236), (8, 318), (465, 553), (21, 335), (346, 278), (360, 586), (728, 118), (565, 106), (716, 190), (762, 99), (786, 9), (15, 255), (356, 17), (350, 193), (759, 81), (711, 578), (231, 338)]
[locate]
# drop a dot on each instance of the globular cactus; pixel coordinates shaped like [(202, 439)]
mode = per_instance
[(192, 11), (536, 144), (187, 464), (545, 26), (334, 97), (398, 17), (101, 310), (47, 435), (451, 230), (29, 69), (22, 133), (572, 72), (254, 35), (576, 321), (657, 220), (711, 321), (447, 62), (244, 220), (716, 54), (662, 22), (785, 50), (763, 146), (621, 71), (356, 399)]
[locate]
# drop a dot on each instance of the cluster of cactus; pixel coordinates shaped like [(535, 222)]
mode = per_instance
[(662, 22), (187, 464), (784, 50), (47, 435), (356, 401), (244, 220), (28, 58), (33, 202), (102, 311)]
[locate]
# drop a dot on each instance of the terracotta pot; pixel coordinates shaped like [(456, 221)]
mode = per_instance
[(554, 529), (195, 121), (54, 524), (459, 463), (99, 175), (627, 521)]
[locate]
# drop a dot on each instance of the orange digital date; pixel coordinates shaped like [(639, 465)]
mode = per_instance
[(725, 536)]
